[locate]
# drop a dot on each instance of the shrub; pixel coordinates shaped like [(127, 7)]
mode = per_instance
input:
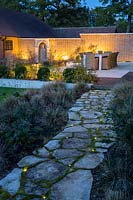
[(79, 89), (26, 120), (113, 177), (91, 77), (47, 63), (69, 75), (81, 74), (56, 74), (122, 111), (3, 153), (43, 73), (78, 74), (4, 71), (29, 119), (20, 71)]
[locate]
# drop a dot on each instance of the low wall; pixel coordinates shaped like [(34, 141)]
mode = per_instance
[(35, 84)]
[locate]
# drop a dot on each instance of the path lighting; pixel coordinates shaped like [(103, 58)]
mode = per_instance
[(25, 169), (92, 150), (44, 197), (65, 57)]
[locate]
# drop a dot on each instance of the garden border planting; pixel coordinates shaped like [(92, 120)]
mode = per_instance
[(61, 169)]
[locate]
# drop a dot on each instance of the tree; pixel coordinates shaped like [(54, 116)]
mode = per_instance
[(101, 16), (15, 4), (54, 12), (68, 16), (121, 9)]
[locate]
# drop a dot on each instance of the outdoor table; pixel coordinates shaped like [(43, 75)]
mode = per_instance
[(100, 57)]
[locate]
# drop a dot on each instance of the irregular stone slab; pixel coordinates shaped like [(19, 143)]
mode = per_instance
[(29, 161), (103, 126), (89, 161), (11, 182), (101, 150), (85, 95), (63, 135), (73, 123), (49, 170), (82, 135), (75, 129), (75, 186), (108, 133), (32, 188), (73, 116), (66, 153), (79, 104), (91, 114), (91, 121), (53, 144), (19, 197), (75, 143), (103, 144), (93, 96), (67, 161), (42, 152), (76, 109)]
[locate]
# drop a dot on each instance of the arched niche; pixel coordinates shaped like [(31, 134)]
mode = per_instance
[(42, 52)]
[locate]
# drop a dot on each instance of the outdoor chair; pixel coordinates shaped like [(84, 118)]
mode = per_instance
[(91, 61), (110, 61)]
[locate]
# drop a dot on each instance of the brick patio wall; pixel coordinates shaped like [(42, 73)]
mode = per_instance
[(121, 42), (64, 47), (69, 47)]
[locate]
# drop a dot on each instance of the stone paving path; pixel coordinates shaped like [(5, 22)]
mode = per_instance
[(61, 170)]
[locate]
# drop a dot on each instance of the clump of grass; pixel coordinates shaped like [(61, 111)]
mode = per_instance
[(122, 111), (113, 179)]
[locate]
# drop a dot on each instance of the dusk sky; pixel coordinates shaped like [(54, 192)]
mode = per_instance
[(91, 3)]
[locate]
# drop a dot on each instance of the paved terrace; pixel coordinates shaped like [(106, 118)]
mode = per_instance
[(108, 78), (61, 169)]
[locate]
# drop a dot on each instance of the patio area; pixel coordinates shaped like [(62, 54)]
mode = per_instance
[(118, 72)]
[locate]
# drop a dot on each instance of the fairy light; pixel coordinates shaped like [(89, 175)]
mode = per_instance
[(92, 150), (25, 169)]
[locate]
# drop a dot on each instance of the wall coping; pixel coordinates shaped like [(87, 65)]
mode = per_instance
[(32, 84)]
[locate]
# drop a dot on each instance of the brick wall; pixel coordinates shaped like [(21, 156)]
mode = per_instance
[(15, 52), (27, 48), (123, 43), (59, 48), (64, 47)]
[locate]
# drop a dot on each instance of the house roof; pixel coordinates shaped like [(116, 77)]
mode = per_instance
[(74, 32), (19, 24)]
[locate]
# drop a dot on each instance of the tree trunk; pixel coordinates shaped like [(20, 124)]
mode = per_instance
[(129, 24), (130, 15)]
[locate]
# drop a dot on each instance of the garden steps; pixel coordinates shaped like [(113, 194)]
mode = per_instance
[(61, 169)]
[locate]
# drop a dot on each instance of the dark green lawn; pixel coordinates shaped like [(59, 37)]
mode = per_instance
[(6, 92)]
